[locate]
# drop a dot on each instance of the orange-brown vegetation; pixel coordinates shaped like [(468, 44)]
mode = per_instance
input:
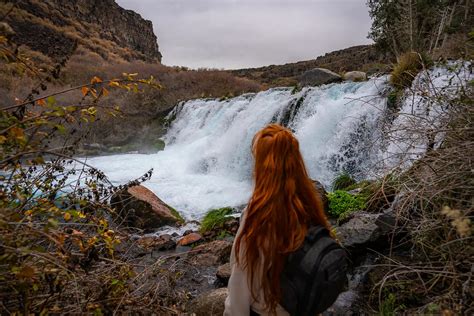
[(145, 111)]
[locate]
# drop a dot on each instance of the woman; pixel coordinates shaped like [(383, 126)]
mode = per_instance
[(283, 205)]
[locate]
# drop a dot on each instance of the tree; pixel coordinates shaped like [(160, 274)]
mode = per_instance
[(416, 25)]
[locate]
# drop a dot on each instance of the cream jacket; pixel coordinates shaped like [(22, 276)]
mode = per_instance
[(239, 300)]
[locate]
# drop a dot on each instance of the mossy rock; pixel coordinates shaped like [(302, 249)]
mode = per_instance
[(177, 215), (215, 218)]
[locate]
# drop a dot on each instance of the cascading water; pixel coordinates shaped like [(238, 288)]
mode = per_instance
[(207, 161)]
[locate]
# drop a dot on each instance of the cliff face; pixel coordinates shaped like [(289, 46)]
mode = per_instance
[(53, 27)]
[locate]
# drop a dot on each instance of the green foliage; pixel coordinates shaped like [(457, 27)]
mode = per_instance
[(341, 203), (342, 181), (403, 26), (389, 306), (215, 218), (408, 66)]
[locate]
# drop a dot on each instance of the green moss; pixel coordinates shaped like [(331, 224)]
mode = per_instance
[(342, 181), (176, 214), (215, 218), (341, 203)]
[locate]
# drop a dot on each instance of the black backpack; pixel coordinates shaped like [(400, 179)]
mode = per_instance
[(314, 275)]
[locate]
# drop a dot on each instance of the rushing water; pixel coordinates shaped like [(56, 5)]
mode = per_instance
[(207, 161)]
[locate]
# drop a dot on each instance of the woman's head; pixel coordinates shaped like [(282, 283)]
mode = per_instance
[(283, 205)]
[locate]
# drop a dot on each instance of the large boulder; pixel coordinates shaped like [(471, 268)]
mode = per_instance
[(211, 303), (318, 76), (366, 229), (139, 207), (355, 76), (213, 253)]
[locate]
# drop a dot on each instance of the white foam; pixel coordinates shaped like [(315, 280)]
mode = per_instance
[(207, 162)]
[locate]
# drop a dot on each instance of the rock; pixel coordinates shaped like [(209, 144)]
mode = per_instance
[(365, 229), (223, 273), (213, 253), (138, 207), (93, 146), (318, 76), (344, 305), (210, 303), (232, 225), (324, 195), (189, 239), (355, 76), (160, 243), (116, 30)]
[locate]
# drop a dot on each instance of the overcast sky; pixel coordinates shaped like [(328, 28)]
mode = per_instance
[(250, 33)]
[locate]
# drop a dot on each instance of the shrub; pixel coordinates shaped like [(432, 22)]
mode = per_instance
[(341, 203), (215, 218), (408, 66), (432, 200), (54, 209), (342, 181)]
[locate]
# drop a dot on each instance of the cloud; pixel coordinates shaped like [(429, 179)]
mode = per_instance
[(243, 33)]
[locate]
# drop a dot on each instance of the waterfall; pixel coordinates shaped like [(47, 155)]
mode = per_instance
[(207, 161)]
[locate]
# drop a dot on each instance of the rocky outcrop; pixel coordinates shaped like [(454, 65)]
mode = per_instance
[(355, 76), (53, 27), (348, 59), (318, 76), (365, 229), (210, 303), (139, 207), (214, 253)]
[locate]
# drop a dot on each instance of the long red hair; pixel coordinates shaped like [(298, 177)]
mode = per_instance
[(283, 205)]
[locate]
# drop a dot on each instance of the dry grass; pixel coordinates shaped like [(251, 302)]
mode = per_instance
[(406, 69)]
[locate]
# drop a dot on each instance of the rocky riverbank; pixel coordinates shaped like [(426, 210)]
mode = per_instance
[(195, 263)]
